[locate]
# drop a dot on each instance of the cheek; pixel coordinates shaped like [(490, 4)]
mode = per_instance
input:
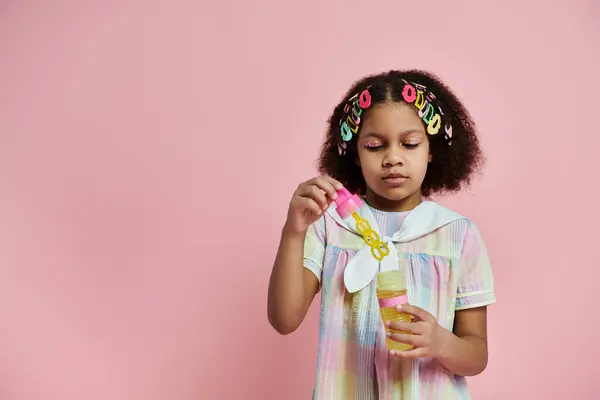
[(421, 161), (368, 162)]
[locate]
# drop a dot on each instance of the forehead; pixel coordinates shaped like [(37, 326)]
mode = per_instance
[(391, 118)]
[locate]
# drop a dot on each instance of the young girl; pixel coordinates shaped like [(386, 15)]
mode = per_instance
[(395, 139)]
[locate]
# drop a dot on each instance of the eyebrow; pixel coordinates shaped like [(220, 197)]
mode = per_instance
[(372, 135), (377, 135)]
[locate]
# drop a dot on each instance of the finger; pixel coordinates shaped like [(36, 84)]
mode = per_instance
[(416, 312), (326, 185), (315, 193), (415, 340), (412, 354), (334, 182), (305, 203), (416, 328)]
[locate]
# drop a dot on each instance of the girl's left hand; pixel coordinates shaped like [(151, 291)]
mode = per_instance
[(429, 339)]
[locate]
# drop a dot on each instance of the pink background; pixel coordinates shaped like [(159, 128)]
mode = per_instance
[(128, 129)]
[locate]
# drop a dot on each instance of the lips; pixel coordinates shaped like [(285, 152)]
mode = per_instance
[(394, 180), (394, 176)]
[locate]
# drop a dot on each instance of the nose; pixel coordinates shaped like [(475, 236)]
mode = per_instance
[(393, 156)]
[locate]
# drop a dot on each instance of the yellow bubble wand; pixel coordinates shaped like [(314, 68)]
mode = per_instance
[(348, 204)]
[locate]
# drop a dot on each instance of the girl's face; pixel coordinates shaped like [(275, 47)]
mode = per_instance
[(393, 153)]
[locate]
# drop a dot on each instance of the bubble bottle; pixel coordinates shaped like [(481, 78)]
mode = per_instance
[(391, 286), (391, 292)]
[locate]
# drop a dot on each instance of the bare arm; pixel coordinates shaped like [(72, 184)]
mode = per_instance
[(291, 287), (465, 352)]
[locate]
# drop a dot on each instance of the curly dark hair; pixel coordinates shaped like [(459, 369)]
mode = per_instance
[(452, 166)]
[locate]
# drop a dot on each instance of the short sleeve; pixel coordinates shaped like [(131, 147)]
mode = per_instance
[(314, 248), (475, 280)]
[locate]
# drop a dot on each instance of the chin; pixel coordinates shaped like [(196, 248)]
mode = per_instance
[(394, 193)]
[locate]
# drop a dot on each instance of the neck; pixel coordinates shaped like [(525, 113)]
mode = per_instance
[(406, 204)]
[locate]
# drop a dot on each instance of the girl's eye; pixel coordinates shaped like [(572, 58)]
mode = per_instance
[(373, 146), (412, 145)]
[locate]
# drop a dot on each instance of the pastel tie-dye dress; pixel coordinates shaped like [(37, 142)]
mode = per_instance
[(446, 268)]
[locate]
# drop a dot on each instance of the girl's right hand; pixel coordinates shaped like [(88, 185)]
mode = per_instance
[(309, 201)]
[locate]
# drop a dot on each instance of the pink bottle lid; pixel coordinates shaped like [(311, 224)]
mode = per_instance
[(347, 203)]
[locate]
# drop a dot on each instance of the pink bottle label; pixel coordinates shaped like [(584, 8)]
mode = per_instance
[(393, 302)]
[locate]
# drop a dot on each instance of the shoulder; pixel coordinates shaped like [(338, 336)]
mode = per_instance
[(324, 226), (448, 219), (329, 223), (336, 233), (458, 230), (464, 235)]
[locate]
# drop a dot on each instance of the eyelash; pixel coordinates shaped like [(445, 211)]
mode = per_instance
[(409, 146)]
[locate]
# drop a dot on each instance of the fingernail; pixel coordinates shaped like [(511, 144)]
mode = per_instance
[(334, 195), (399, 308), (388, 333), (388, 324)]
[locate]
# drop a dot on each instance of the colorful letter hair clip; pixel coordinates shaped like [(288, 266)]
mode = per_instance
[(353, 110), (429, 111), (426, 103)]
